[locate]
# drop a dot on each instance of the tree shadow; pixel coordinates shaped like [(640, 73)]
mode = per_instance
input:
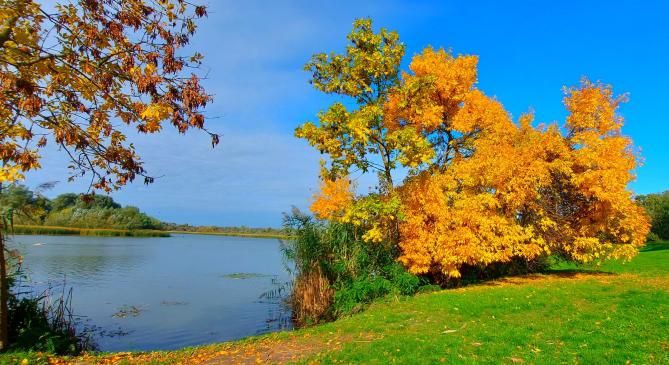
[(545, 276), (655, 246)]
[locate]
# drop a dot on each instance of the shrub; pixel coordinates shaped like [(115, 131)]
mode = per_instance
[(332, 258), (42, 322)]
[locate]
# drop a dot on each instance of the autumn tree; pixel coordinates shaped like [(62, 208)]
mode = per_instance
[(482, 188), (500, 190), (84, 74)]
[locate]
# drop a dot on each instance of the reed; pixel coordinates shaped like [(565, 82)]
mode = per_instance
[(75, 231)]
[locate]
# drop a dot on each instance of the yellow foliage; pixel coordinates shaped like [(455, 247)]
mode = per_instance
[(526, 192), (482, 188), (10, 174), (333, 199), (439, 83)]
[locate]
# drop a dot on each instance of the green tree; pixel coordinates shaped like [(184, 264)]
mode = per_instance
[(364, 74), (657, 206)]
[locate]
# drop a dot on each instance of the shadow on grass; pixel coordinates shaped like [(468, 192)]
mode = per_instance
[(545, 276), (655, 246)]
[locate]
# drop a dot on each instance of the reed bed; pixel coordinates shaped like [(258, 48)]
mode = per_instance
[(75, 231)]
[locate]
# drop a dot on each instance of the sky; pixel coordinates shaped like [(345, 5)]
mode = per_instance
[(254, 57)]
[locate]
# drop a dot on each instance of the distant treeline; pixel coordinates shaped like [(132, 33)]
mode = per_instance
[(657, 207), (34, 213), (72, 210), (241, 230)]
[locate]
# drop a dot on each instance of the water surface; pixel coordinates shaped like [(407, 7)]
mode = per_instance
[(163, 293)]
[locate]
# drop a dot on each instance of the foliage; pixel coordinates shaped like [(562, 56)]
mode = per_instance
[(356, 138), (657, 207), (483, 192), (525, 192), (36, 327), (232, 231), (72, 210), (365, 73), (19, 202), (66, 74)]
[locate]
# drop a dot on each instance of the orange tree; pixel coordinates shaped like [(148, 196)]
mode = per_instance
[(482, 189), (72, 76)]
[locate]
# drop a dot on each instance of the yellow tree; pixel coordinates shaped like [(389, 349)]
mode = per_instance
[(482, 189), (511, 191), (68, 75)]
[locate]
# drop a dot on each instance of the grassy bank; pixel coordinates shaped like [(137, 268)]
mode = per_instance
[(111, 232), (234, 234), (616, 314), (73, 231)]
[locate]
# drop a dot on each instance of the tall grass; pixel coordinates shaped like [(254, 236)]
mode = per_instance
[(100, 232), (42, 320), (336, 272)]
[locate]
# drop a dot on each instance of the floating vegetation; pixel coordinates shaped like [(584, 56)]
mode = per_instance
[(244, 275), (128, 311)]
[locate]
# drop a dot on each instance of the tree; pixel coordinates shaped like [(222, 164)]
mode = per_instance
[(68, 74), (17, 201), (657, 207), (500, 191), (356, 138), (365, 73), (481, 189)]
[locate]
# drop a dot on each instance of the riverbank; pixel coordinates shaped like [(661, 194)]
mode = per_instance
[(616, 314), (74, 231), (111, 232), (235, 234)]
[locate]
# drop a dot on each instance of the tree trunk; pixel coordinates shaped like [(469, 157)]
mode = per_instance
[(4, 295), (4, 290)]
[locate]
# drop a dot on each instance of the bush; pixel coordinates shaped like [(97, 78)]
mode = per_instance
[(34, 326), (334, 253), (41, 322)]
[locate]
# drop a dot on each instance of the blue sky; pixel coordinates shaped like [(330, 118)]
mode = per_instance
[(254, 54)]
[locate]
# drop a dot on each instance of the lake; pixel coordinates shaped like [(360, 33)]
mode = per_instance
[(163, 293)]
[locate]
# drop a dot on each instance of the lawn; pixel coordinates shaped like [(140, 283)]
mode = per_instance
[(617, 314)]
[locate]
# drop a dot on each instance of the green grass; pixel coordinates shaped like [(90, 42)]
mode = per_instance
[(616, 314), (73, 231)]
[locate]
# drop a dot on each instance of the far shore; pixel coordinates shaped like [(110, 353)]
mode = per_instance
[(22, 229)]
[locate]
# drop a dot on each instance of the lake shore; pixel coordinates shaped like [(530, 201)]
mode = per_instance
[(541, 318), (22, 229), (235, 234)]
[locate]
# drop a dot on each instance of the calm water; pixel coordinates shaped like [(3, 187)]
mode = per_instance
[(179, 284)]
